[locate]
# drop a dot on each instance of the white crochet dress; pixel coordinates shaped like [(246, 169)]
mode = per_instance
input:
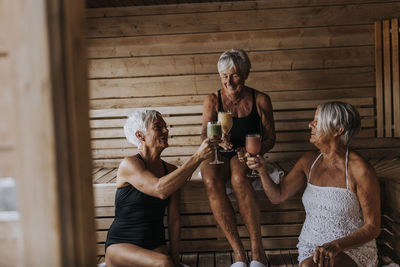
[(332, 213)]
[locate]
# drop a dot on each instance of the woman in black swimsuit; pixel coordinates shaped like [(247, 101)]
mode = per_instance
[(251, 113), (146, 185)]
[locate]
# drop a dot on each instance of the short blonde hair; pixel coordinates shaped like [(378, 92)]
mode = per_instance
[(139, 121), (334, 115)]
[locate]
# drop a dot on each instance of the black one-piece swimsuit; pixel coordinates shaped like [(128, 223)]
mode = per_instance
[(250, 124), (138, 218)]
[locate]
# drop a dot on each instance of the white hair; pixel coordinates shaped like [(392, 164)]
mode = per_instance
[(235, 59), (335, 115), (139, 121)]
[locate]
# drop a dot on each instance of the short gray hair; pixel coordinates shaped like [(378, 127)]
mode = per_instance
[(334, 115), (235, 59), (139, 120)]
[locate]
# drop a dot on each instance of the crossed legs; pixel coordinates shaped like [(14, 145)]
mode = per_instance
[(214, 180)]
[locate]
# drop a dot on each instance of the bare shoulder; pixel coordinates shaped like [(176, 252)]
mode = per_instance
[(211, 99), (360, 170), (127, 167), (262, 99), (307, 160)]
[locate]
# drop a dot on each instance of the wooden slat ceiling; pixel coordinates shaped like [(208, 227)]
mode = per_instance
[(122, 3)]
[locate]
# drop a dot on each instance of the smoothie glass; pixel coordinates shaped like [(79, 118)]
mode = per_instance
[(214, 134), (225, 118), (253, 147)]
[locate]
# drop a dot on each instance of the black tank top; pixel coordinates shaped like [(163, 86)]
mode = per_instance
[(138, 218), (250, 124)]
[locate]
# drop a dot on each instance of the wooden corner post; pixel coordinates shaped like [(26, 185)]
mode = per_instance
[(51, 105)]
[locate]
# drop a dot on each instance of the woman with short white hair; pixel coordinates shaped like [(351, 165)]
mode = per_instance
[(146, 186), (251, 112), (341, 196)]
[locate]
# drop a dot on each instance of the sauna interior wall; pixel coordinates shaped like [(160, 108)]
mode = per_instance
[(302, 52)]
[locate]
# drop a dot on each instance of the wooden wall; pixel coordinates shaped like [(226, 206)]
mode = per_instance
[(10, 232), (303, 52)]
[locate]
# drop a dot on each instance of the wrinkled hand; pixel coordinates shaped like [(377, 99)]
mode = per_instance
[(241, 151), (205, 150), (325, 255), (255, 163), (226, 144)]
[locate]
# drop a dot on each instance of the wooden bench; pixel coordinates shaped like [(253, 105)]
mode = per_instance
[(203, 242)]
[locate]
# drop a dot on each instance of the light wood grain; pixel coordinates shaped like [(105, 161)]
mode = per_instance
[(206, 63), (206, 84)]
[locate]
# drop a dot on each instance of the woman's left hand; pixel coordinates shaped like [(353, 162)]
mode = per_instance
[(325, 255), (255, 162)]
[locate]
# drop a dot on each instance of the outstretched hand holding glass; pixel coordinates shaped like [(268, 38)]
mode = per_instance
[(214, 134), (225, 118), (253, 147)]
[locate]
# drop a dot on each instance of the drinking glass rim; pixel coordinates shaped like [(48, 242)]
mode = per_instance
[(213, 122), (225, 112), (253, 135)]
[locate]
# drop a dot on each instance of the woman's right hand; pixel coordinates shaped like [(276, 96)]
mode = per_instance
[(205, 150), (255, 163), (226, 144)]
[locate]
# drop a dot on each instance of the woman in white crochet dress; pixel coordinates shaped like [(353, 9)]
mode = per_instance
[(341, 196)]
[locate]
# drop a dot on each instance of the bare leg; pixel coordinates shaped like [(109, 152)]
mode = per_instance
[(248, 207), (341, 259), (213, 178), (121, 255)]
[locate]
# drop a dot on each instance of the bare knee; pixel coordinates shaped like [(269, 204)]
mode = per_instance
[(165, 261), (239, 180), (214, 185), (307, 263)]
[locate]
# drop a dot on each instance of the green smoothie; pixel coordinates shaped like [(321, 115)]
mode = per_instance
[(214, 130)]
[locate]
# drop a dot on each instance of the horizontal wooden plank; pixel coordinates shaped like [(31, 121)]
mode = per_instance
[(364, 143), (214, 232), (206, 84), (240, 20), (198, 109), (194, 7), (197, 119), (192, 100), (196, 140), (273, 217), (196, 129), (336, 36), (317, 58), (192, 194), (223, 245)]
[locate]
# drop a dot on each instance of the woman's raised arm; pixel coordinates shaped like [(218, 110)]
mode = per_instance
[(133, 171)]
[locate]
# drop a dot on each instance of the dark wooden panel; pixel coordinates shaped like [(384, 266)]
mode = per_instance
[(395, 76), (387, 78), (379, 79), (275, 39), (156, 8), (240, 20)]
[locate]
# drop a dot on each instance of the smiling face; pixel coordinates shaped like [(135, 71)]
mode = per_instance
[(317, 135), (231, 81), (156, 135)]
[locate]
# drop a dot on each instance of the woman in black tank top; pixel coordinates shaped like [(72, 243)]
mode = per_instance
[(146, 186), (251, 113)]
